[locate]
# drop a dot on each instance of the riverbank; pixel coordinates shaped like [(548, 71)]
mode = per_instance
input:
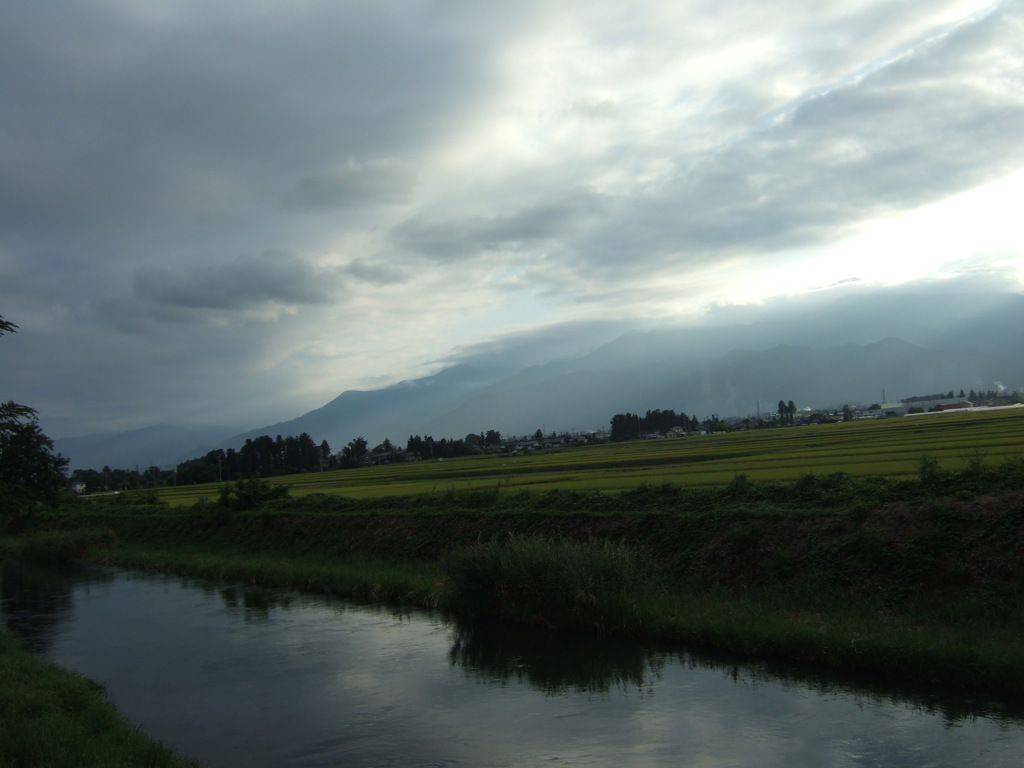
[(930, 591), (52, 718), (857, 638)]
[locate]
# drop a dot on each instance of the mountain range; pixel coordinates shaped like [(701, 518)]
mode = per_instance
[(819, 351)]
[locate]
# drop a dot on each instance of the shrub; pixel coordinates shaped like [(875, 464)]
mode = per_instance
[(553, 582), (63, 547), (252, 493), (930, 474)]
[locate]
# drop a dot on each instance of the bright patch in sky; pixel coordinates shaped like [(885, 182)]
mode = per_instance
[(978, 231)]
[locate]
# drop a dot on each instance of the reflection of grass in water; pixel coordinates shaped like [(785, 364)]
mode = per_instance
[(255, 602), (552, 662), (558, 662)]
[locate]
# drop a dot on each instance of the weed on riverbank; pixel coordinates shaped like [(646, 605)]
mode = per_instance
[(358, 578), (560, 583)]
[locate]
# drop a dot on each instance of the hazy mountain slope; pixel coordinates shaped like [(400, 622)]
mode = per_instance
[(735, 384), (378, 413), (816, 350), (158, 445)]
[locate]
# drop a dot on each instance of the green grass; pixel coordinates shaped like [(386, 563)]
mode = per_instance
[(886, 448), (356, 577), (569, 584), (52, 718)]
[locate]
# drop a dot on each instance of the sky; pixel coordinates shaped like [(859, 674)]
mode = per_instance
[(230, 212)]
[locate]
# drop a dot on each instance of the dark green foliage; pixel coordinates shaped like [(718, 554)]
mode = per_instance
[(427, 448), (65, 547), (30, 473), (263, 456), (250, 494), (630, 426), (930, 474), (354, 452)]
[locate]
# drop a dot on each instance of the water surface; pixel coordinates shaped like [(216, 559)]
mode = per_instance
[(240, 676)]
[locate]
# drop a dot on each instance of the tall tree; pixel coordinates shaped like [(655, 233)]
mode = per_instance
[(30, 472), (355, 451)]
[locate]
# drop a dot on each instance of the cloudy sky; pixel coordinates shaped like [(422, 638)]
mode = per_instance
[(230, 212)]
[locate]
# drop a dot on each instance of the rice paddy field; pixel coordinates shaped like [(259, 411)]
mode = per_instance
[(885, 448)]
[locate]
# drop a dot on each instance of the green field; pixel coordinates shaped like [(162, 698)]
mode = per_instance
[(885, 448)]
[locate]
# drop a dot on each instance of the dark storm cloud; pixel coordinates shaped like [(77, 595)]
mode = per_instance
[(356, 185), (272, 277), (120, 129)]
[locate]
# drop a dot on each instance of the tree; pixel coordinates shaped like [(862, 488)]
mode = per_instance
[(625, 426), (30, 472), (355, 451)]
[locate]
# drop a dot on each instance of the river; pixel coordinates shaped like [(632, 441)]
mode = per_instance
[(243, 676)]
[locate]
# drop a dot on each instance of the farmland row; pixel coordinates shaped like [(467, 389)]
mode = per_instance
[(890, 448)]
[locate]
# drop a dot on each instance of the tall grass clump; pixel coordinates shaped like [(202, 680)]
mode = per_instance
[(251, 493), (65, 547), (553, 582)]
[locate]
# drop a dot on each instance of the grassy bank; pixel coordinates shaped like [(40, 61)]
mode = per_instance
[(599, 587), (929, 592), (357, 578), (52, 718)]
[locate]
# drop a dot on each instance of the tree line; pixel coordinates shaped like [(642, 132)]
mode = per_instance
[(632, 426), (263, 456)]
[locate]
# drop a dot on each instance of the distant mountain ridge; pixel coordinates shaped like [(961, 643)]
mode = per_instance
[(159, 445), (817, 353)]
